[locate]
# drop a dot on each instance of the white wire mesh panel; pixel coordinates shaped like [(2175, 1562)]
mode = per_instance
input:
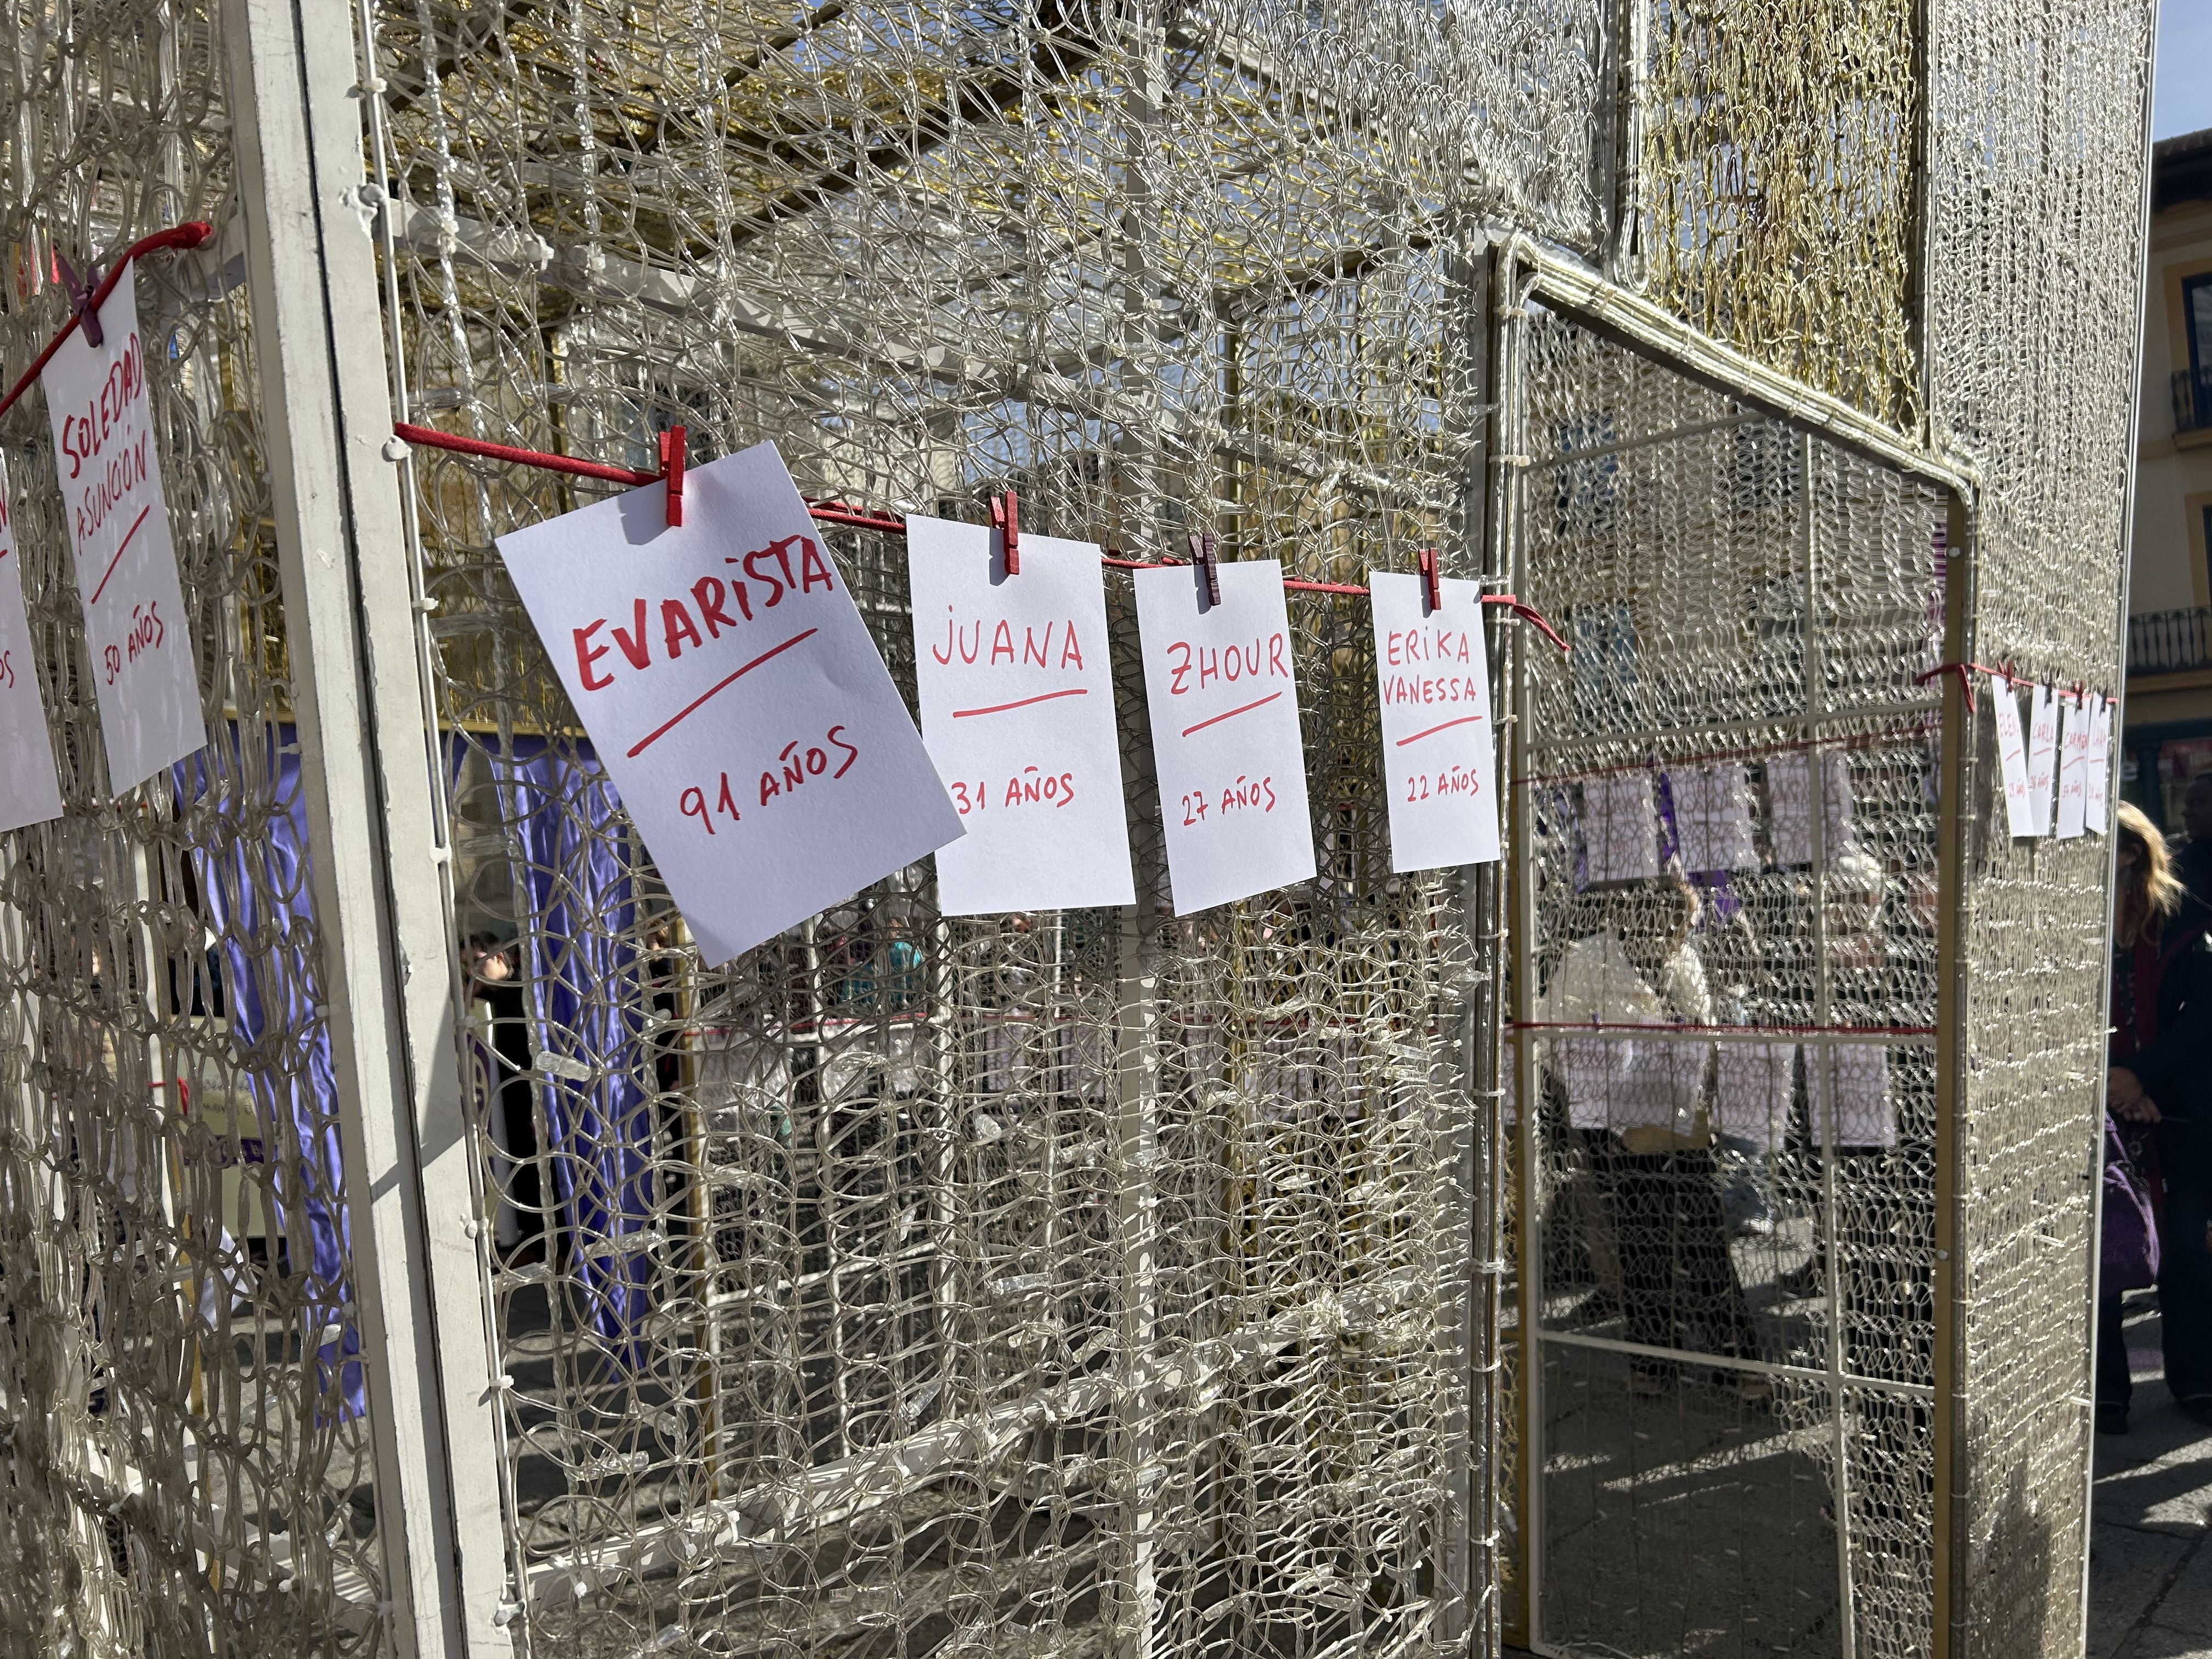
[(1065, 1282), (2032, 381), (1731, 792), (183, 1420)]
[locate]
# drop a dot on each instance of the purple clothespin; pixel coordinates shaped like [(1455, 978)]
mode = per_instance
[(79, 288), (1201, 554)]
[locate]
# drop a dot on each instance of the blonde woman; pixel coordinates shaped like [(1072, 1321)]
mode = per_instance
[(2157, 1090)]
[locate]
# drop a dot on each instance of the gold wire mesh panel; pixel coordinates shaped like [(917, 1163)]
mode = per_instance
[(184, 1421), (1075, 1282), (1729, 817)]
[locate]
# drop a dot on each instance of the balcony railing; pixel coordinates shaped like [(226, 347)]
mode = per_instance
[(2169, 641), (2192, 400)]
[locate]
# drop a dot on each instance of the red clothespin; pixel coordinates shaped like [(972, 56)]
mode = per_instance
[(1432, 577), (672, 470), (79, 289), (1201, 554), (1006, 519)]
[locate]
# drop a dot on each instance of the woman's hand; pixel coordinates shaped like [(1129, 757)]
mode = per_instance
[(2123, 1088), (2142, 1110)]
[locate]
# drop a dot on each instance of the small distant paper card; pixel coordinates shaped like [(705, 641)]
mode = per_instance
[(1017, 710), (1789, 789), (1226, 744), (33, 793), (1621, 828), (732, 692), (144, 671), (2096, 774), (2042, 756), (2073, 769), (1440, 758), (2012, 758), (1713, 817)]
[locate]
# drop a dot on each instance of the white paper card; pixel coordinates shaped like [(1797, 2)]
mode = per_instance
[(2042, 756), (2012, 758), (1621, 828), (1226, 744), (32, 792), (1713, 817), (1754, 1086), (1017, 710), (733, 694), (2073, 769), (1439, 759), (1789, 791), (143, 666), (2096, 774), (1859, 1107)]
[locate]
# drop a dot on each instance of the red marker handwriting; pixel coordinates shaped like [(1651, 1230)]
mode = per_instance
[(1243, 795), (1464, 720), (147, 632), (1036, 650), (1195, 668), (1450, 781), (797, 765), (690, 620), (1030, 786)]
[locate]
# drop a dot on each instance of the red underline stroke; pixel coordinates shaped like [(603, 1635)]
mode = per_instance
[(118, 559), (720, 686), (1232, 713), (1464, 720), (1001, 708)]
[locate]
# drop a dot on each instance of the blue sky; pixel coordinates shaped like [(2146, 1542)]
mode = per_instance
[(2182, 99)]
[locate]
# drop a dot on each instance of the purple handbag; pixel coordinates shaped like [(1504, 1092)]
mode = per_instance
[(2127, 1248)]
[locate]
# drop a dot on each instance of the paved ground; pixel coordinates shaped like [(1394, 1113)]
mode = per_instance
[(2150, 1563)]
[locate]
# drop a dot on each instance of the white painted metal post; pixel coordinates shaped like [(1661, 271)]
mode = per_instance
[(373, 824)]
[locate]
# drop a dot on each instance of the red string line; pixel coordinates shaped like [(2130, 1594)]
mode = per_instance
[(191, 234), (429, 437), (1966, 671), (857, 519), (1876, 739), (1778, 1030)]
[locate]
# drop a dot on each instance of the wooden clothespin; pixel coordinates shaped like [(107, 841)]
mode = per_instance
[(1432, 581), (671, 468), (79, 289), (1201, 554), (1006, 518)]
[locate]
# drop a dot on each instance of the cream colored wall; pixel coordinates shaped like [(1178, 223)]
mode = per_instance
[(2169, 570)]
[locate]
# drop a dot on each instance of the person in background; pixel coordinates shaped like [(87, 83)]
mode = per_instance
[(2192, 858), (2160, 1044)]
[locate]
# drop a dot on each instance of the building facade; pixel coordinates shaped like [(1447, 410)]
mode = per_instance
[(2169, 702)]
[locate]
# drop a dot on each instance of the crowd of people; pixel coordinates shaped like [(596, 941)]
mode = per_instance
[(2158, 1174)]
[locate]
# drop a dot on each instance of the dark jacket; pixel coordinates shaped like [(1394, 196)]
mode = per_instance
[(2175, 1068)]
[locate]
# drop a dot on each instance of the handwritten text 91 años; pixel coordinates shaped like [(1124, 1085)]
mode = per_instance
[(762, 580), (799, 764)]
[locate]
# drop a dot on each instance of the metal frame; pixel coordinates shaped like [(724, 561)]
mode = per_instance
[(1655, 336), (378, 861)]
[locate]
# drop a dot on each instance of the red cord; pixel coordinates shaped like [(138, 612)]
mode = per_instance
[(1780, 1031), (838, 512), (191, 234), (1876, 739), (431, 438)]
